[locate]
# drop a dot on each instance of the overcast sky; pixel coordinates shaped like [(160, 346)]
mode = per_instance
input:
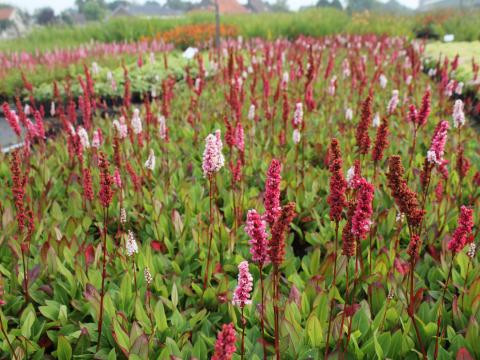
[(60, 5)]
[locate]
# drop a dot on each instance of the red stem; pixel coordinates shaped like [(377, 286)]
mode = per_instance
[(210, 233), (104, 274)]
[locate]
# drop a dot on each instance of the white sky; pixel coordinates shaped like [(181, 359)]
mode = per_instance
[(60, 5)]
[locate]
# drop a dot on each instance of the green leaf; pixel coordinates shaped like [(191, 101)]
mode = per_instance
[(378, 348), (160, 318), (26, 329), (64, 350), (112, 355), (314, 330), (174, 295)]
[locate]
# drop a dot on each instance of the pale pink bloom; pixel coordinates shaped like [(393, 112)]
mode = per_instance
[(251, 113), (83, 135), (131, 246), (97, 139), (346, 68), (117, 178), (136, 122), (458, 114), (296, 136), (213, 159), (150, 163), (393, 103), (383, 81), (121, 127), (332, 87), (162, 127), (298, 115), (376, 120), (52, 108), (241, 296), (435, 153), (348, 114)]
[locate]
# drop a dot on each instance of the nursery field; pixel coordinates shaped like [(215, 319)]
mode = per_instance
[(271, 199), (468, 52)]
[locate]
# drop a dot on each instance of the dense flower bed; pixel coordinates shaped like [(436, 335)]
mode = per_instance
[(298, 199)]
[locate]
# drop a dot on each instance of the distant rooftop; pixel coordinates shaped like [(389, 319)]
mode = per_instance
[(6, 13)]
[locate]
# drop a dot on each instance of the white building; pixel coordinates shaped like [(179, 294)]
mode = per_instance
[(11, 23)]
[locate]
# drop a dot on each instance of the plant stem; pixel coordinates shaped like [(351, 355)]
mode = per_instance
[(104, 274), (243, 335), (262, 312), (25, 276), (210, 232), (442, 299), (135, 278), (275, 310), (334, 284), (344, 306), (7, 340)]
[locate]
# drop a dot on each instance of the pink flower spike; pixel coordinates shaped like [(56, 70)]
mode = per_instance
[(213, 159), (255, 228), (435, 154), (463, 231), (241, 297), (361, 220), (225, 344), (117, 178), (272, 192)]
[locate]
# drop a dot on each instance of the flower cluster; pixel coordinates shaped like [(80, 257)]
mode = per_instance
[(381, 141), (458, 114), (361, 135), (255, 228), (279, 228), (460, 236), (405, 198), (435, 153), (336, 198), (272, 192), (213, 159), (225, 344), (361, 219), (106, 181), (241, 296), (131, 245)]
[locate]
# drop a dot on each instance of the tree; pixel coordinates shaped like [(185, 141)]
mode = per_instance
[(92, 9), (45, 16), (333, 4), (280, 6), (178, 5), (115, 4), (361, 5)]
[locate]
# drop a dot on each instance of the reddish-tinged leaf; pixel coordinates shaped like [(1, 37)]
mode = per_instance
[(89, 253), (350, 310), (433, 252), (157, 246), (401, 267), (463, 354), (218, 269)]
